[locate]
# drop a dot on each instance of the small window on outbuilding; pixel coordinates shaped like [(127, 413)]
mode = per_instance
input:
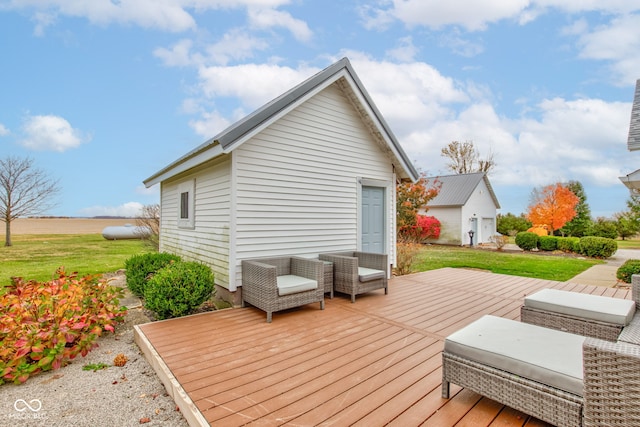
[(186, 204)]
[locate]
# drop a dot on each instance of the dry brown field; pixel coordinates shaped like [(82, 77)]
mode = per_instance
[(62, 225)]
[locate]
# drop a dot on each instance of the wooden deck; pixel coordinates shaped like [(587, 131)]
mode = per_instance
[(376, 362)]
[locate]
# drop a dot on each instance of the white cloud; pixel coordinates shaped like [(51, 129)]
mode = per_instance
[(3, 130), (129, 209), (50, 133), (265, 18), (473, 15), (178, 55), (166, 15), (405, 51), (236, 44), (252, 84), (617, 42), (476, 15), (210, 124)]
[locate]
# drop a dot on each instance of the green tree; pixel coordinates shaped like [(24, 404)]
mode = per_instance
[(634, 206), (603, 227), (464, 158), (627, 224), (510, 225), (578, 226)]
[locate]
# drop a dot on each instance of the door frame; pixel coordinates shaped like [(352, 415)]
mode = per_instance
[(388, 187)]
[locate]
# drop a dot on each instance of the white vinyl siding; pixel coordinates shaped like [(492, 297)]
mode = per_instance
[(450, 225), (207, 240), (297, 181)]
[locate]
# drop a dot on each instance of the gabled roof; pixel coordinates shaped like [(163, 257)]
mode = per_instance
[(341, 72), (633, 143), (456, 189)]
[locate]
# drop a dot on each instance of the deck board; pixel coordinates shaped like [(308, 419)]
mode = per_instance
[(375, 362)]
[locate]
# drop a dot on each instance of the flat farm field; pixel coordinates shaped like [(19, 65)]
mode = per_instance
[(63, 225)]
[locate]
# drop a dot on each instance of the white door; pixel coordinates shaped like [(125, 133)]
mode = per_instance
[(373, 229)]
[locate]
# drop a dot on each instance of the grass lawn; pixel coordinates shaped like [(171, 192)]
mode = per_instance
[(39, 256), (628, 244), (549, 267)]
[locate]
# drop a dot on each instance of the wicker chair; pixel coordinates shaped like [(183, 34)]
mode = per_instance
[(607, 394), (355, 273), (261, 288)]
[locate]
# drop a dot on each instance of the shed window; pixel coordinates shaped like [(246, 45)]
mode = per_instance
[(186, 204)]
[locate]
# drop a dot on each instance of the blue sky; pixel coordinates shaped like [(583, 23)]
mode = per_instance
[(102, 94)]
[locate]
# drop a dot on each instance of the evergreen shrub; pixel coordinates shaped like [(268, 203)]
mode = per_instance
[(597, 247), (548, 243), (628, 269), (527, 240), (178, 289), (140, 268), (569, 244)]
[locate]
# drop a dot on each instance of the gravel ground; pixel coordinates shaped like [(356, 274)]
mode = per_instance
[(131, 395)]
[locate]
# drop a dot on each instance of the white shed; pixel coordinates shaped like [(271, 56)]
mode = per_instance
[(466, 202), (312, 171)]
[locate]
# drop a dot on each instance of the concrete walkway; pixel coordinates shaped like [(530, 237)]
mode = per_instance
[(605, 274)]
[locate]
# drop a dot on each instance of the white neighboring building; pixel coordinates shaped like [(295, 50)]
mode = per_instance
[(466, 202)]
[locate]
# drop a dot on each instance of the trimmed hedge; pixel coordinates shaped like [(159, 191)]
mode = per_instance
[(548, 243), (527, 240), (178, 289), (628, 269), (569, 244), (597, 247), (140, 268)]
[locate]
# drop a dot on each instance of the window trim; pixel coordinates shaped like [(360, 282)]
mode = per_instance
[(188, 188)]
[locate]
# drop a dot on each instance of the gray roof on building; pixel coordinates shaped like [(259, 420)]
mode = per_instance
[(456, 189), (633, 143), (229, 138)]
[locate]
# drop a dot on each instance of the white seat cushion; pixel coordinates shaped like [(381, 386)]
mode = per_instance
[(291, 284), (540, 354), (366, 274), (604, 309)]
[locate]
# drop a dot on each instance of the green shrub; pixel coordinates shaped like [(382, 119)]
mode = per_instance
[(527, 240), (44, 323), (597, 247), (569, 244), (178, 289), (140, 268), (548, 243), (628, 269)]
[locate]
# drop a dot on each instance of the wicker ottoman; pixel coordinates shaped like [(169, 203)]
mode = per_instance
[(583, 314), (535, 370)]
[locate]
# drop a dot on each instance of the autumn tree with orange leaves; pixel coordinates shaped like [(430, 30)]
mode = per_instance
[(553, 206), (410, 199)]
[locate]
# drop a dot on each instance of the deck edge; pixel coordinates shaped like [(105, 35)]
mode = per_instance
[(189, 410)]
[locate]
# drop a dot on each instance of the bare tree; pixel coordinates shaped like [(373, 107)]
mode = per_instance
[(24, 191), (464, 158), (149, 223)]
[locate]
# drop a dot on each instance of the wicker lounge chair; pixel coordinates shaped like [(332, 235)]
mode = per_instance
[(555, 376), (610, 319), (274, 284), (355, 273)]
